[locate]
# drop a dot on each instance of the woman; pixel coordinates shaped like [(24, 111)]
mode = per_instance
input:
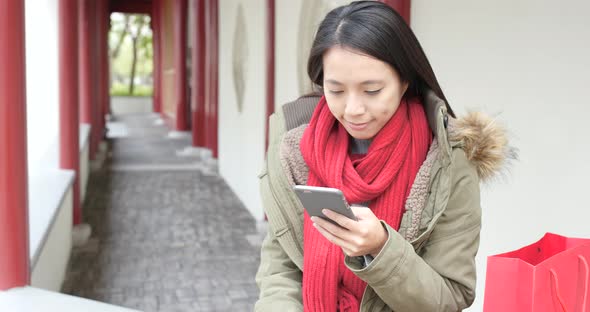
[(381, 134)]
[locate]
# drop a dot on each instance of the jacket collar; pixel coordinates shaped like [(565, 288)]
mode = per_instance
[(438, 120)]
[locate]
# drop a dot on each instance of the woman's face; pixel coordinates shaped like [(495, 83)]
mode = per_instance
[(362, 92)]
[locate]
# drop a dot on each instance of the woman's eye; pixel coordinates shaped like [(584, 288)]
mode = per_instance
[(373, 91), (335, 91)]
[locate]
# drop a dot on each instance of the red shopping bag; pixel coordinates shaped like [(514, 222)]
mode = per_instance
[(549, 275)]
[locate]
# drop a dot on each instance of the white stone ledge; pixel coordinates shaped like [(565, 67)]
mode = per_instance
[(46, 194), (84, 136), (29, 299)]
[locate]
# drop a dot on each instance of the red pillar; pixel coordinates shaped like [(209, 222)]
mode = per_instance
[(270, 65), (198, 99), (215, 103), (180, 17), (211, 111), (69, 125), (98, 70), (156, 25), (101, 65), (85, 71), (96, 92), (14, 249), (401, 6), (105, 16)]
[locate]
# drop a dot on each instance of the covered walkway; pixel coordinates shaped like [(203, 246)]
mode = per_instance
[(169, 234)]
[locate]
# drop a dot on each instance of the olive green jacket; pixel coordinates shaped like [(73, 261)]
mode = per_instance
[(429, 264)]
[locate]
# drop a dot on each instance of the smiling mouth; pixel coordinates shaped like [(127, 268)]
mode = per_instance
[(357, 126)]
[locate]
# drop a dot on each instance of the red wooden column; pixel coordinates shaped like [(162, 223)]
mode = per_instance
[(100, 96), (401, 6), (212, 69), (14, 249), (180, 17), (95, 76), (69, 125), (211, 111), (156, 25), (198, 99), (85, 70), (270, 65), (106, 20), (102, 64)]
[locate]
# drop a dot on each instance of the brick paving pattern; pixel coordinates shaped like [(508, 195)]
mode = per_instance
[(168, 233)]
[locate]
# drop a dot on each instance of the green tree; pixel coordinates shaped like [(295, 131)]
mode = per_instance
[(136, 31), (131, 48), (121, 29)]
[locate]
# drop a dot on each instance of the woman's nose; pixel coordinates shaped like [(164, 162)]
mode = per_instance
[(354, 107)]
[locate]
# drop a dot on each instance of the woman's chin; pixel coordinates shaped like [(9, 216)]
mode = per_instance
[(361, 135)]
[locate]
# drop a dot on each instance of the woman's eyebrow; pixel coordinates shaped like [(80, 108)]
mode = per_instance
[(369, 82), (366, 82), (335, 82)]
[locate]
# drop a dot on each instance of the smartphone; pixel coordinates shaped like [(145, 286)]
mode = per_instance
[(315, 198)]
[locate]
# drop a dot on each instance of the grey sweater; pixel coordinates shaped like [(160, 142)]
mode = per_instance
[(361, 147)]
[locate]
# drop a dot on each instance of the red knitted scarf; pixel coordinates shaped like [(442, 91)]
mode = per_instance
[(383, 176)]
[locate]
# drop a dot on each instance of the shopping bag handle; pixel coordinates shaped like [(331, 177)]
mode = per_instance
[(582, 300), (555, 290)]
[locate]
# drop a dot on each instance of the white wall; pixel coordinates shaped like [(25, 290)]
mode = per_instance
[(42, 84), (122, 105), (528, 61), (50, 189), (241, 135), (286, 31), (291, 38), (50, 269)]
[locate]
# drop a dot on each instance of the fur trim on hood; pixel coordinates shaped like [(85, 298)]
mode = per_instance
[(485, 142)]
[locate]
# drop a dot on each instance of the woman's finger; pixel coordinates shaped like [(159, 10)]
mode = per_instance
[(362, 213), (343, 221), (334, 229), (333, 239)]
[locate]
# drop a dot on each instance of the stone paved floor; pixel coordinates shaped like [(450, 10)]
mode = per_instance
[(168, 233)]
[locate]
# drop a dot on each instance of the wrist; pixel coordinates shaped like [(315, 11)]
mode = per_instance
[(382, 240)]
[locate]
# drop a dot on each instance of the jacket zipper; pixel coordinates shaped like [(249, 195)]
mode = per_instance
[(363, 297), (372, 305), (370, 308)]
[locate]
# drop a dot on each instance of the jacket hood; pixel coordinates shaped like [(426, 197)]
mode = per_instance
[(485, 142)]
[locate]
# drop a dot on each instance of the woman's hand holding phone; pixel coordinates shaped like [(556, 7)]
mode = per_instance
[(356, 238)]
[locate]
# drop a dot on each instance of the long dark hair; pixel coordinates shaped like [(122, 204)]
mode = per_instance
[(377, 30)]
